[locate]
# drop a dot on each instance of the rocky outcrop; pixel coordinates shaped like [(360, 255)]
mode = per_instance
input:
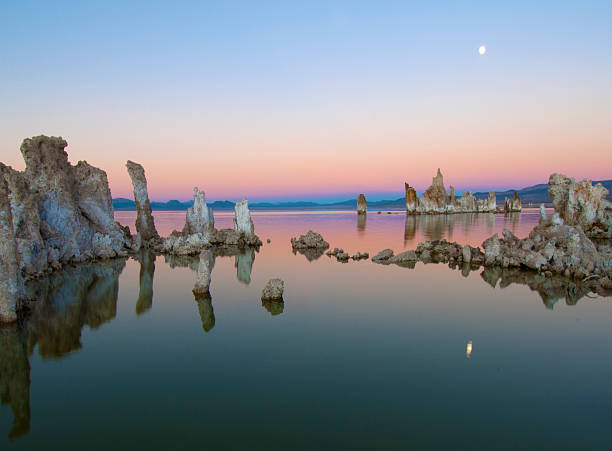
[(200, 218), (552, 247), (145, 225), (25, 217), (362, 205), (312, 240), (53, 213), (234, 238), (582, 204), (383, 256), (10, 276), (435, 200), (273, 291), (242, 218), (573, 243), (199, 232), (512, 204), (340, 255), (411, 199)]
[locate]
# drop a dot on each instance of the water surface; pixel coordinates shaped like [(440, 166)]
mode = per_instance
[(359, 356)]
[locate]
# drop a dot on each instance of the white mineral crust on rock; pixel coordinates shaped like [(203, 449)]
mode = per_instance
[(199, 217), (242, 219), (145, 225)]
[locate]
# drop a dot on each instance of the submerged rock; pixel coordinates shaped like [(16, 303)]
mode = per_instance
[(273, 291), (145, 225), (312, 240), (362, 205)]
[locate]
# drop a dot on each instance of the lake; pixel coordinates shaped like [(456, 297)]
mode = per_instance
[(359, 356)]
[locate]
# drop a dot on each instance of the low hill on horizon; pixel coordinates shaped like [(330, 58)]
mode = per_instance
[(535, 194)]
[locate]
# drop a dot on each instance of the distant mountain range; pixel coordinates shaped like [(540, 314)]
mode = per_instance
[(536, 194)]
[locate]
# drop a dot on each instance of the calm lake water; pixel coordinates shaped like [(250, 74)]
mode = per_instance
[(360, 356)]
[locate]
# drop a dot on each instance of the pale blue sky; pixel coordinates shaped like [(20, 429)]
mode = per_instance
[(359, 87)]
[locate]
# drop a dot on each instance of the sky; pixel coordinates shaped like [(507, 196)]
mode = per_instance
[(312, 100)]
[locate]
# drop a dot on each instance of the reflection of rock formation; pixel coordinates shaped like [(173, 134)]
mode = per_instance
[(310, 254), (145, 225), (275, 307), (511, 222), (436, 227), (362, 205), (207, 314), (435, 200), (550, 289), (244, 266), (147, 269), (361, 222), (205, 265), (15, 377), (66, 301), (243, 263), (410, 228)]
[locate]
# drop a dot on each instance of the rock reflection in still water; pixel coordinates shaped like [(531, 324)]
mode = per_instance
[(244, 266), (437, 227), (361, 222), (64, 302), (275, 307), (80, 295), (311, 254), (243, 263), (147, 269), (550, 289), (207, 314), (15, 376)]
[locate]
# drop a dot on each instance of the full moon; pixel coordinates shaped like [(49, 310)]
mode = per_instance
[(482, 50)]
